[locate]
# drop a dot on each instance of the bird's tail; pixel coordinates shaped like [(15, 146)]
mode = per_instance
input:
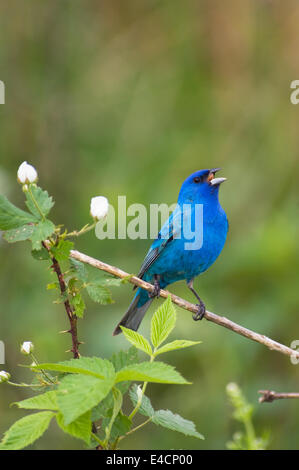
[(135, 313)]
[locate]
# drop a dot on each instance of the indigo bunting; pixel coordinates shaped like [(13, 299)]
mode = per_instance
[(172, 256)]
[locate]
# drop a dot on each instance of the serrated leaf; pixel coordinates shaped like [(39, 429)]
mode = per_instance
[(78, 303), (99, 293), (26, 430), (102, 409), (41, 232), (163, 322), (117, 404), (122, 359), (112, 281), (164, 418), (177, 344), (18, 234), (41, 254), (137, 340), (158, 372), (45, 401), (175, 422), (146, 408), (12, 217), (79, 393), (92, 366), (80, 428), (43, 200), (79, 269), (122, 424), (62, 251)]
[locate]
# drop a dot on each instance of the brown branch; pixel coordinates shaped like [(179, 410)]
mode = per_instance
[(268, 396), (69, 311), (212, 317)]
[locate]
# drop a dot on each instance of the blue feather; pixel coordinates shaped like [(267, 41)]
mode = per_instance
[(168, 257)]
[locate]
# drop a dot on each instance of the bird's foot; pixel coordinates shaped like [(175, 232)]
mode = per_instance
[(201, 311), (156, 291)]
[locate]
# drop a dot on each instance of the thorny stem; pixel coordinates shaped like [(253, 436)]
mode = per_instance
[(69, 311)]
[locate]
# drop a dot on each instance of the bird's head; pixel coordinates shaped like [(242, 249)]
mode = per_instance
[(201, 186)]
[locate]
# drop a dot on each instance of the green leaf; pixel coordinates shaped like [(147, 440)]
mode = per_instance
[(45, 401), (18, 234), (92, 366), (78, 303), (41, 232), (122, 424), (79, 269), (175, 422), (103, 408), (79, 393), (99, 293), (163, 322), (122, 359), (146, 408), (43, 200), (137, 340), (117, 404), (164, 418), (80, 428), (62, 251), (177, 344), (41, 254), (151, 372), (13, 217), (26, 430), (112, 281)]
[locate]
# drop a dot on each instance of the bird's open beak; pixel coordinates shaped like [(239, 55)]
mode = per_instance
[(215, 181)]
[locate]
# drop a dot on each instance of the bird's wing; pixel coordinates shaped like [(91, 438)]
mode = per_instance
[(165, 236)]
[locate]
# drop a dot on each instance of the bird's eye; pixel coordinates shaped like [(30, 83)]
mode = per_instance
[(197, 179)]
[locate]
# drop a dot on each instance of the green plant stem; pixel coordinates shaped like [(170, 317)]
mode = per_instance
[(83, 230), (35, 203), (116, 408), (44, 373), (138, 404), (135, 429), (98, 440), (23, 385), (251, 438)]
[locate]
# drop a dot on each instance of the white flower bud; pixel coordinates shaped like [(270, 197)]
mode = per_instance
[(27, 348), (139, 393), (99, 207), (4, 376), (27, 173)]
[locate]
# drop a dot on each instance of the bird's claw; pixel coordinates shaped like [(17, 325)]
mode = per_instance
[(156, 291), (200, 313)]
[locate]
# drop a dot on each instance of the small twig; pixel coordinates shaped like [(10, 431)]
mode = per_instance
[(69, 311), (268, 396), (212, 317)]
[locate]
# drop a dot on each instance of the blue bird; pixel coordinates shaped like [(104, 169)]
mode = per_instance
[(189, 242)]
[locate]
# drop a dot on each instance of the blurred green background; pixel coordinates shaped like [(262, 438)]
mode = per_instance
[(128, 98)]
